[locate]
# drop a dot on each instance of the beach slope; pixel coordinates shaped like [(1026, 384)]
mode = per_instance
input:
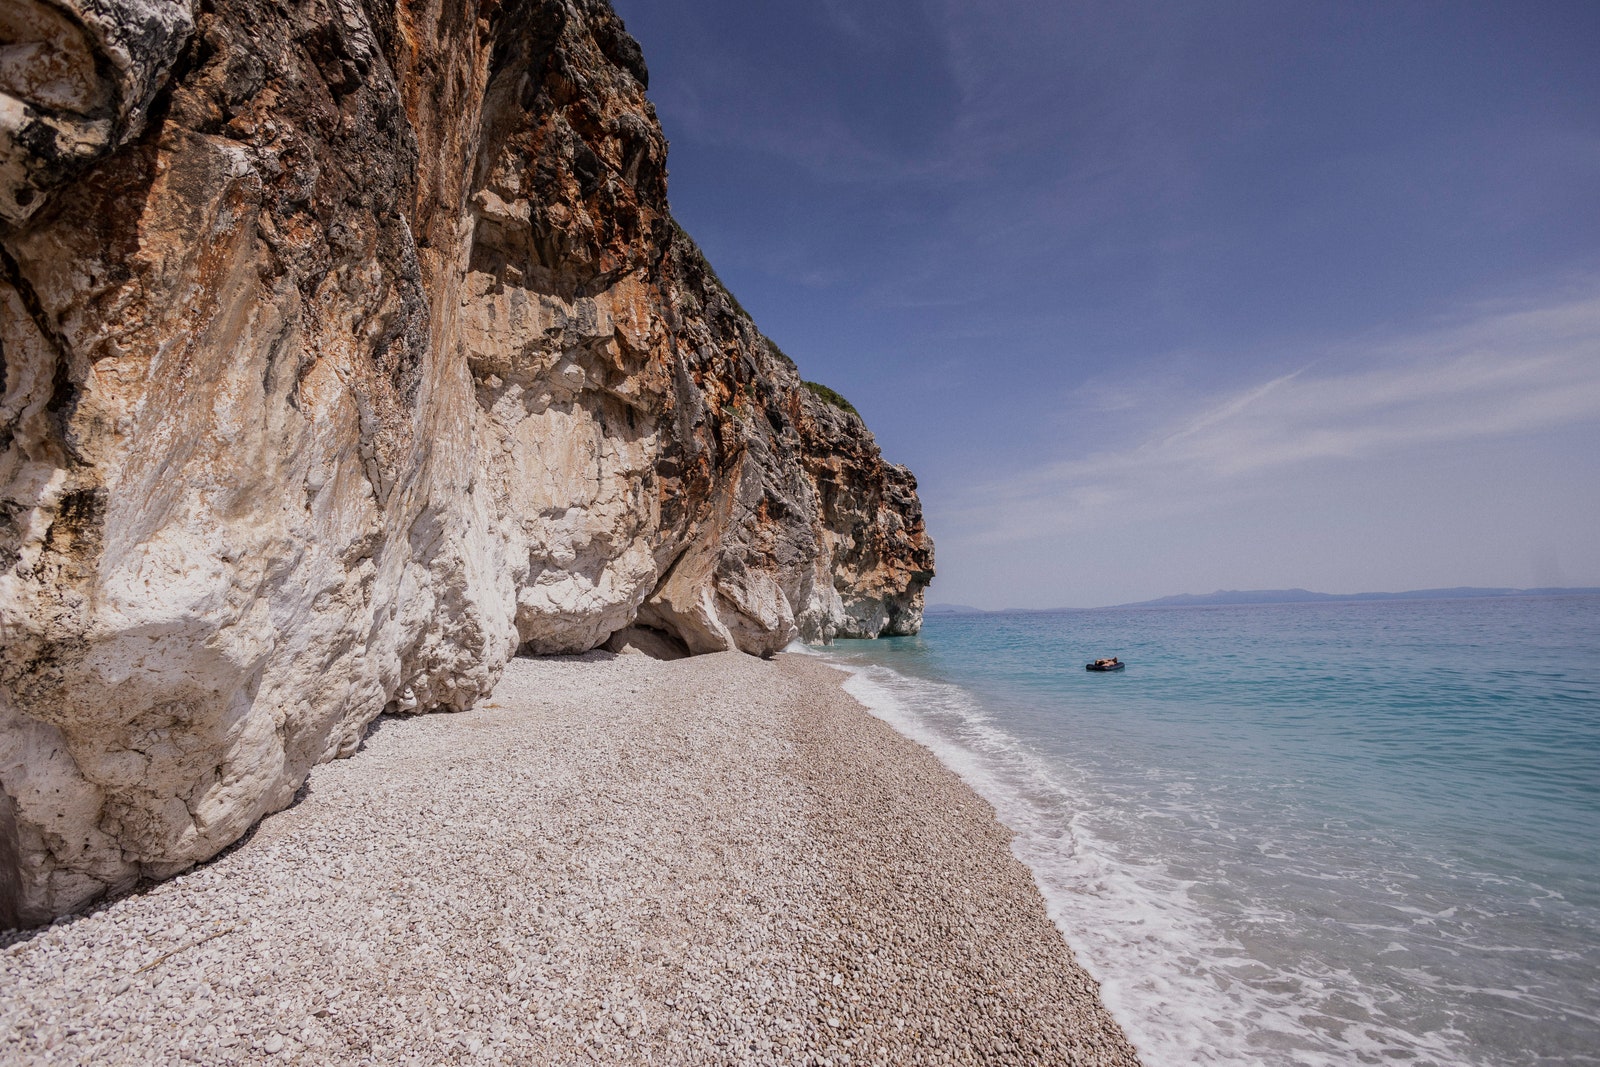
[(618, 860)]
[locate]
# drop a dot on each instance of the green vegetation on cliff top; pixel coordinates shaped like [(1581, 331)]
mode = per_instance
[(831, 397)]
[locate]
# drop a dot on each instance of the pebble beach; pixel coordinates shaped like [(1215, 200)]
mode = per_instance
[(614, 860)]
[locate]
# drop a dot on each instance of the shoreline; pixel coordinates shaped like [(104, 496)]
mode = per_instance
[(716, 859)]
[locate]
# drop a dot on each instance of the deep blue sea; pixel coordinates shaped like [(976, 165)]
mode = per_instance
[(1294, 834)]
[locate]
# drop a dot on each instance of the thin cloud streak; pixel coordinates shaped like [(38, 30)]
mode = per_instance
[(1504, 373)]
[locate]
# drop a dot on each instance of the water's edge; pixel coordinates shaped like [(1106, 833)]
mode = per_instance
[(1159, 1035), (1302, 855)]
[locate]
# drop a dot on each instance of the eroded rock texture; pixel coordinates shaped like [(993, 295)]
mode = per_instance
[(349, 347)]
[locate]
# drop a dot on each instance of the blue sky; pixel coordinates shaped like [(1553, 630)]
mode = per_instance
[(1161, 298)]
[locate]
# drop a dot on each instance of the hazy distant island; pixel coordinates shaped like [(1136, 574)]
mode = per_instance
[(1306, 596), (1224, 597)]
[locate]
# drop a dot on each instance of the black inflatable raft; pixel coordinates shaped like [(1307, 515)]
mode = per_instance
[(1104, 666)]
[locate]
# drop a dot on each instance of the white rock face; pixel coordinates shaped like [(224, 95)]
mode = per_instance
[(569, 470), (375, 357)]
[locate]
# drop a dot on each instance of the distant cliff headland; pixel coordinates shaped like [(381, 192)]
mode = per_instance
[(347, 350)]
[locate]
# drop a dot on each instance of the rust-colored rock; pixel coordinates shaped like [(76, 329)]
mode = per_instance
[(347, 349)]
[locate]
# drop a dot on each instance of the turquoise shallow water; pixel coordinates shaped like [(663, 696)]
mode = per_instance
[(1295, 834)]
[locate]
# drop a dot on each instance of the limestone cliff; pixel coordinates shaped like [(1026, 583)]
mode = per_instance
[(349, 347)]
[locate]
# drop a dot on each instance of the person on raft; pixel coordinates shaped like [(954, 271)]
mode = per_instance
[(1112, 662)]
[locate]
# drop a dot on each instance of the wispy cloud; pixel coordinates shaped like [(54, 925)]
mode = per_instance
[(1497, 373)]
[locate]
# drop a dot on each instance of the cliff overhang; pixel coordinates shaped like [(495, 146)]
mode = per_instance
[(348, 349)]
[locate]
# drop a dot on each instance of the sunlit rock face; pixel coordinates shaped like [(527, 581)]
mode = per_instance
[(349, 348)]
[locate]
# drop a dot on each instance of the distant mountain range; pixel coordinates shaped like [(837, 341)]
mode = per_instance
[(1299, 596), (1305, 596)]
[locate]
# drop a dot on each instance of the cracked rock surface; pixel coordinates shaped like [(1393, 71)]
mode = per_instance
[(618, 860), (348, 348)]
